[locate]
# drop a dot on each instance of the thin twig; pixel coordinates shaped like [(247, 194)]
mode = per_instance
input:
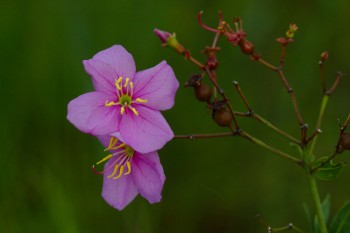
[(272, 149), (200, 136)]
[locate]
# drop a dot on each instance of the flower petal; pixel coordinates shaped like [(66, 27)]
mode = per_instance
[(103, 75), (90, 115), (119, 59), (146, 132), (120, 192), (148, 175), (158, 85)]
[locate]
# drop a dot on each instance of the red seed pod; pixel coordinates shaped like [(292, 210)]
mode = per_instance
[(345, 141), (223, 117), (247, 47)]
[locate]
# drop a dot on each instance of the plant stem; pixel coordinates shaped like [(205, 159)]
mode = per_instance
[(290, 226), (319, 120), (317, 200), (196, 136), (270, 148)]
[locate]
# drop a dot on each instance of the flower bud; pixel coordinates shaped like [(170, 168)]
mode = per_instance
[(292, 28), (345, 141), (247, 47), (223, 117), (170, 40)]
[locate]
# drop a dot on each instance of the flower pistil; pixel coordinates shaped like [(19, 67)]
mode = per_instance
[(125, 93)]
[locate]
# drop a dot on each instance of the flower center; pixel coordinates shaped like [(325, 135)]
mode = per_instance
[(125, 91), (124, 155)]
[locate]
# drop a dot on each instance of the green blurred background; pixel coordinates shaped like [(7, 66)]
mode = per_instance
[(218, 185)]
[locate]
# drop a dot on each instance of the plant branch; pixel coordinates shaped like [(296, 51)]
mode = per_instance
[(290, 226), (198, 136), (270, 148), (222, 93), (252, 114)]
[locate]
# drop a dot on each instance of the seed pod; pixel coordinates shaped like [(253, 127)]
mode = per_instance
[(345, 141), (203, 92), (247, 47), (223, 117)]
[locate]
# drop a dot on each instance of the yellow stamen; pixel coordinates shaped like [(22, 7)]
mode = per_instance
[(108, 104), (121, 145), (117, 83), (129, 168), (112, 142), (126, 82), (115, 171), (141, 100), (122, 110), (131, 85), (134, 111), (104, 159), (120, 173)]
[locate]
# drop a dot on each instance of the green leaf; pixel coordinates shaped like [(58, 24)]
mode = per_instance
[(341, 221), (309, 217), (329, 171)]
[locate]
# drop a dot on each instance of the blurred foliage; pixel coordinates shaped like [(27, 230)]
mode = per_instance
[(212, 186)]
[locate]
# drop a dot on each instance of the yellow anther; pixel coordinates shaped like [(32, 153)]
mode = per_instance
[(122, 110), (120, 146), (126, 82), (120, 173), (117, 82), (131, 85), (109, 104), (115, 171), (105, 158), (112, 142), (129, 168), (141, 100), (134, 110)]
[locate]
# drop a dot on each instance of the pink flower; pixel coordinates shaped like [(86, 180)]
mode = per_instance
[(128, 173), (125, 103)]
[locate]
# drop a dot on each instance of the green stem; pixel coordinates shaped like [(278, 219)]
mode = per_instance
[(319, 120), (317, 200), (270, 148)]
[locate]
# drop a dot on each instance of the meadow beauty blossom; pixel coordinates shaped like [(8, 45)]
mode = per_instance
[(128, 173), (126, 103)]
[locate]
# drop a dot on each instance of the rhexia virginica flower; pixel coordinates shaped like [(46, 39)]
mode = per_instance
[(128, 173), (125, 103)]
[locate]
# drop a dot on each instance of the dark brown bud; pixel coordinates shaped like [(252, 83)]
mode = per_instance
[(345, 141), (247, 47), (223, 117), (203, 92)]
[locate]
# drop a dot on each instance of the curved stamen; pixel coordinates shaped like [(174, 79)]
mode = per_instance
[(120, 173), (205, 26), (106, 169), (115, 171), (129, 168)]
